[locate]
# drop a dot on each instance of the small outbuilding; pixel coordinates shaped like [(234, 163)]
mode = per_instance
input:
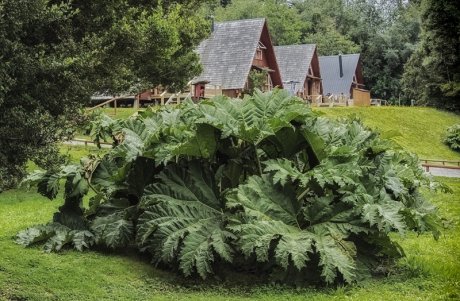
[(342, 77)]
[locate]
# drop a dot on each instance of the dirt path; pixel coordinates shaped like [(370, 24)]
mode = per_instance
[(445, 172)]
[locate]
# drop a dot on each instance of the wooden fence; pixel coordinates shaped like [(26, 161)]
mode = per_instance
[(429, 163)]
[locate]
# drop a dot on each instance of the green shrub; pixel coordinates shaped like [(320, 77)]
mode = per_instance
[(452, 138), (260, 185)]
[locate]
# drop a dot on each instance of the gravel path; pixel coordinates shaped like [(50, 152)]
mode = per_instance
[(445, 172)]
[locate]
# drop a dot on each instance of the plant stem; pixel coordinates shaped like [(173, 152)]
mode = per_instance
[(259, 166), (303, 194)]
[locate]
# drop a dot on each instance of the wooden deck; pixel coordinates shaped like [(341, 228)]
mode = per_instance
[(158, 96)]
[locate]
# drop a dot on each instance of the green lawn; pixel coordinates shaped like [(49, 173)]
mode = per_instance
[(120, 113), (431, 270), (421, 130)]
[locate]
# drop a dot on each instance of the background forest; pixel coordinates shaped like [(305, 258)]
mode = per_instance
[(409, 47)]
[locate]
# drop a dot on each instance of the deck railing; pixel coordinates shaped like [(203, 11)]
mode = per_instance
[(433, 163)]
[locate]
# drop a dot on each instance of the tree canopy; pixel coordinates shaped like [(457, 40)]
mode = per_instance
[(432, 74), (55, 54)]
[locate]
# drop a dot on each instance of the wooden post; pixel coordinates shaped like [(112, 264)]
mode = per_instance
[(178, 98), (115, 107), (136, 101)]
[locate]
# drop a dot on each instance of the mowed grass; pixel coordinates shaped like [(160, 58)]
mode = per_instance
[(119, 113), (420, 130), (431, 270)]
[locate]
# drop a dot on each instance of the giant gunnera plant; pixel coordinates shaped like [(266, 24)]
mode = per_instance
[(260, 184)]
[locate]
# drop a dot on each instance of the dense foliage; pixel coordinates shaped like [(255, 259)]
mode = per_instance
[(452, 138), (432, 75), (55, 54), (260, 185)]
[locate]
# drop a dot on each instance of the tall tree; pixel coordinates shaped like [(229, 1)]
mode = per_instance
[(432, 74), (54, 54), (327, 38), (328, 25), (388, 50)]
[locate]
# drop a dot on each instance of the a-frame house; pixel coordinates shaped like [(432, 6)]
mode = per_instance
[(231, 52), (343, 77), (299, 67)]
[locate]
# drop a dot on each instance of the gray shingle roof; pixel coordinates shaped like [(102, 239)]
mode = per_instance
[(227, 55), (294, 61), (330, 73)]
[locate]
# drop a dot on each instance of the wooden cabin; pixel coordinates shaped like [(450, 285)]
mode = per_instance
[(343, 81), (299, 66), (233, 50)]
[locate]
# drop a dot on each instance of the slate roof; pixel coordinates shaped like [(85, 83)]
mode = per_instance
[(330, 73), (294, 61), (227, 55)]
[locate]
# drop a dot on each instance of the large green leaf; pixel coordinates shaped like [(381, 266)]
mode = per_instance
[(55, 236), (263, 201), (202, 144), (184, 220), (114, 230), (256, 117), (272, 225)]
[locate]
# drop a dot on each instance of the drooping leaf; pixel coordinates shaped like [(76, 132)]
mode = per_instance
[(336, 254), (55, 236), (272, 223), (113, 231), (183, 219)]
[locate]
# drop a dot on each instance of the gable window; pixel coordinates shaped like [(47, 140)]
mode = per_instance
[(259, 54), (259, 51)]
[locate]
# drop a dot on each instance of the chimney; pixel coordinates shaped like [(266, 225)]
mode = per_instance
[(340, 65)]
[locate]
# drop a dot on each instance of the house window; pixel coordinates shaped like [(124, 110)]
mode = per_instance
[(259, 51), (259, 54), (268, 83)]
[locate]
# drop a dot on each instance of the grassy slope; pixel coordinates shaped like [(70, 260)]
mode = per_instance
[(421, 129), (431, 270)]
